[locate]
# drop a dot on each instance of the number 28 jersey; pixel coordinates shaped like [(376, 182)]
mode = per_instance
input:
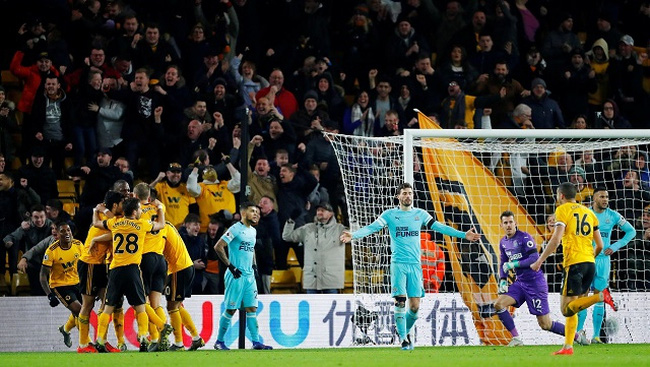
[(580, 223), (128, 240)]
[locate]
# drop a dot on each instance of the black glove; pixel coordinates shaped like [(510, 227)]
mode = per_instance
[(53, 300), (255, 272), (236, 273), (295, 214), (226, 159)]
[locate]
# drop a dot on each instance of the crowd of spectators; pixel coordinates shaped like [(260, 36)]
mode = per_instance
[(159, 91)]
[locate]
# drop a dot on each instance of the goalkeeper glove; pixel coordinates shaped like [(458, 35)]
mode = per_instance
[(503, 286), (510, 265), (53, 300), (236, 273)]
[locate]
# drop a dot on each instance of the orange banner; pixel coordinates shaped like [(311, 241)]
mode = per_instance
[(465, 194)]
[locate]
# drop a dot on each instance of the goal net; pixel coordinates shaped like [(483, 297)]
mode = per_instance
[(467, 178)]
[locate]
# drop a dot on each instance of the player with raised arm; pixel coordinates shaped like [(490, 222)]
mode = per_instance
[(124, 276), (577, 227), (518, 250), (59, 278), (240, 276), (404, 224), (607, 218)]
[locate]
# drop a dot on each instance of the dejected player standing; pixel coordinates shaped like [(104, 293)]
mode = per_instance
[(404, 224), (240, 277)]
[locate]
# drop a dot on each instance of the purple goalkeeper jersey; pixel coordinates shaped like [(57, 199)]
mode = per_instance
[(521, 247)]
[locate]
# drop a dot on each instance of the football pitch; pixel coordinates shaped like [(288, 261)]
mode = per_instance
[(595, 355)]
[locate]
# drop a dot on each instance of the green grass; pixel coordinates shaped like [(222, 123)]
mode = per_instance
[(600, 355)]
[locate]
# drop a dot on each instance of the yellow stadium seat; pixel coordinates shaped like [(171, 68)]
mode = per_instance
[(5, 280), (9, 79), (348, 283), (67, 190), (283, 281), (20, 285), (71, 208), (292, 259), (297, 273)]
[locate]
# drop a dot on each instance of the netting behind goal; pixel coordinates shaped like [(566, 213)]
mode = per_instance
[(468, 183)]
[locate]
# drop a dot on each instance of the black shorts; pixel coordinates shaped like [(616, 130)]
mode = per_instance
[(154, 272), (92, 277), (577, 279), (125, 281), (179, 285), (67, 294)]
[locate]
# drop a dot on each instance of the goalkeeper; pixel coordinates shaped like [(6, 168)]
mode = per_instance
[(404, 224), (518, 251), (607, 218)]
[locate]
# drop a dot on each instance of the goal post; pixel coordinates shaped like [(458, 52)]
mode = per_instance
[(466, 179)]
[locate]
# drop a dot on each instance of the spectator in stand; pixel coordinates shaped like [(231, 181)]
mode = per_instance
[(607, 31), (52, 120), (505, 29), (578, 80), (640, 164), (293, 189), (359, 119), (32, 76), (559, 43), (125, 169), (425, 85), (452, 21), (195, 139), (459, 107), (403, 47), (154, 53), (214, 268), (96, 62), (279, 136), (261, 182), (177, 97), (533, 67), (331, 95), (392, 125), (324, 269), (635, 272), (381, 98), (269, 237), (213, 194), (280, 97), (361, 46), (264, 113), (127, 40), (143, 121), (8, 126), (528, 24), (579, 123), (11, 216), (223, 102), (39, 176), (207, 74), (110, 115), (193, 48), (248, 80), (28, 235), (196, 247), (546, 112), (468, 35), (494, 84), (485, 59), (626, 78), (598, 59), (631, 196), (610, 117), (458, 69), (85, 115), (198, 111), (54, 212), (578, 177), (173, 194), (301, 121)]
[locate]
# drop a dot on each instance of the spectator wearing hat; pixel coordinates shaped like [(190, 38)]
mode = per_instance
[(599, 60), (173, 193), (331, 95), (39, 176), (224, 102), (52, 123), (302, 121), (578, 177), (404, 46), (279, 96), (626, 83), (324, 268), (576, 82), (606, 29), (559, 43), (546, 113)]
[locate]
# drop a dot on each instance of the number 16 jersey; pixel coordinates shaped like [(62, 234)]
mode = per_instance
[(580, 223), (128, 240)]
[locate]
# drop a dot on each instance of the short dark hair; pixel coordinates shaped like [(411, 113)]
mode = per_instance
[(37, 208), (507, 213), (55, 203), (403, 186), (599, 189), (192, 218), (112, 197), (568, 189), (247, 204), (130, 205)]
